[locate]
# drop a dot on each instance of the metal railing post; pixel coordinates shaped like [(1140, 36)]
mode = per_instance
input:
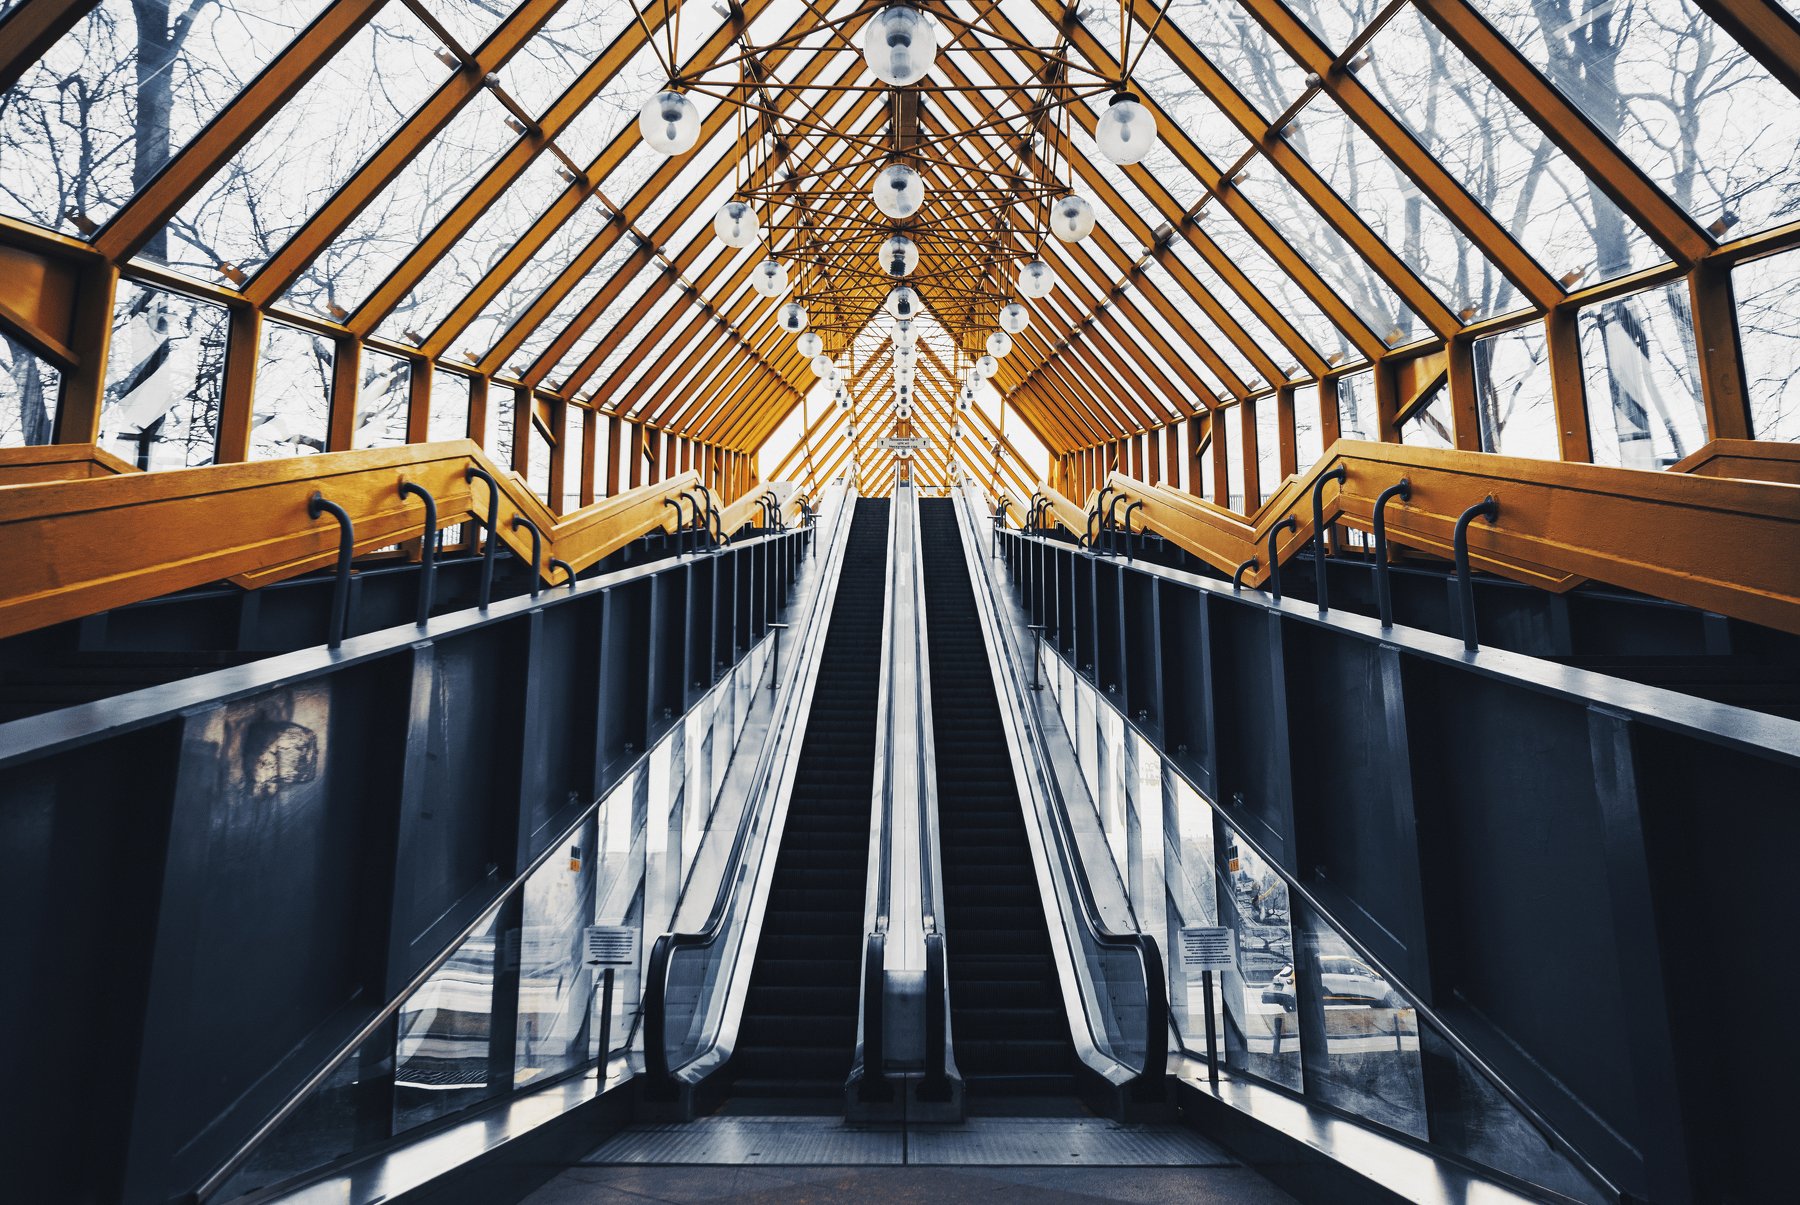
[(1384, 597), (318, 505), (1286, 523), (1487, 509), (488, 550), (427, 551), (1339, 475)]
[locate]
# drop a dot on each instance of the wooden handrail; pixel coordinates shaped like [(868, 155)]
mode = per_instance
[(749, 507), (79, 544), (58, 462), (1721, 544)]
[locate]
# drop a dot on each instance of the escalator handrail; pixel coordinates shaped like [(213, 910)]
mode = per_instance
[(1147, 1080), (656, 1063)]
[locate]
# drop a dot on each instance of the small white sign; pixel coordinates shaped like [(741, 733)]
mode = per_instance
[(610, 945), (895, 442), (1207, 949)]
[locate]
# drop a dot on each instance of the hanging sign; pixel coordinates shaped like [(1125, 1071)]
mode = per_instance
[(895, 443)]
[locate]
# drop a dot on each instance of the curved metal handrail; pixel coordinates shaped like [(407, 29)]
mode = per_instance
[(1147, 1082), (660, 1081)]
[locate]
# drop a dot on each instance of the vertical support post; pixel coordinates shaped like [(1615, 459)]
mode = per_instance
[(418, 400), (615, 447), (478, 412), (1568, 385), (346, 385), (1721, 364), (84, 386), (1465, 414), (590, 451), (1288, 454), (634, 453), (1253, 494), (243, 344)]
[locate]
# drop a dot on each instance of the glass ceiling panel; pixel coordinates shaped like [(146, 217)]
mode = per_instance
[(1336, 21), (308, 149), (406, 210), (1503, 160), (529, 281), (562, 48), (1329, 254), (1242, 50), (569, 308), (606, 326), (1689, 106), (616, 106), (1266, 276), (1201, 324), (1402, 215), (491, 236), (1160, 78), (1162, 401), (470, 21), (1259, 334)]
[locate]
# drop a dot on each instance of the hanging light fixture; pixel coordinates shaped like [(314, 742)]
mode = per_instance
[(736, 225), (899, 191), (1071, 218), (903, 376), (1036, 280), (905, 357), (793, 317), (822, 367), (999, 344), (987, 366), (903, 411), (1014, 318), (809, 344), (669, 123), (899, 255), (1126, 131), (899, 45), (770, 278), (902, 302), (905, 336)]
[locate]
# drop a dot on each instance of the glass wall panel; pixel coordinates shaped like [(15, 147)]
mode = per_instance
[(600, 277), (1505, 162), (1512, 393), (1643, 385), (1336, 21), (1261, 1036), (382, 403), (292, 409), (30, 389), (498, 439), (1358, 415), (308, 149), (605, 327), (1371, 1067), (92, 121), (1429, 425), (555, 985), (1268, 446), (1200, 328), (565, 45), (1768, 315), (1689, 105), (1242, 50), (1230, 421), (573, 470), (449, 406), (1309, 435), (164, 373), (1277, 287), (441, 1064)]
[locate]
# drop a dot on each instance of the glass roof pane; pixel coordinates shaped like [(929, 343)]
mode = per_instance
[(1275, 285), (1689, 106), (470, 21), (1241, 313), (308, 149), (1505, 162), (1330, 255), (1403, 216), (1148, 315), (490, 237), (561, 49), (569, 308), (1336, 21), (1160, 78), (606, 326), (602, 118), (1242, 50), (543, 267), (1202, 325), (405, 211), (91, 122)]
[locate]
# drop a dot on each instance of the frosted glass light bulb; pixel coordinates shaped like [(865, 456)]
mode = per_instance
[(899, 255), (987, 366), (1126, 131), (899, 45), (809, 344), (903, 411), (770, 278), (1036, 280), (669, 123), (1072, 218), (822, 366), (999, 344), (793, 317), (899, 191), (902, 302), (905, 336), (736, 225), (1014, 318)]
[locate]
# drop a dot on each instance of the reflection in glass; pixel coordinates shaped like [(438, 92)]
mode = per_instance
[(292, 408), (1261, 1035), (1309, 435), (1769, 334), (29, 392), (164, 373), (449, 406), (1242, 50), (1370, 1035), (555, 986), (1229, 422), (1643, 386), (537, 462), (1193, 901), (381, 404), (1428, 426), (1512, 393), (442, 1064), (1268, 446)]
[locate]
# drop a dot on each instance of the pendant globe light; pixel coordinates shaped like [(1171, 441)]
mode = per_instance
[(736, 225), (902, 303), (899, 255), (770, 278), (1071, 218), (809, 344), (905, 336), (793, 318), (1036, 280), (903, 411), (822, 367), (1126, 131), (905, 357), (1014, 318), (987, 366), (669, 123), (899, 45), (999, 344), (899, 191), (903, 376), (842, 398)]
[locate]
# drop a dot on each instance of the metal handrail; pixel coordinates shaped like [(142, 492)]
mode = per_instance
[(1147, 1081), (659, 1075)]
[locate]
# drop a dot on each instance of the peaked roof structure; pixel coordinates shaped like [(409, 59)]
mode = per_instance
[(310, 199)]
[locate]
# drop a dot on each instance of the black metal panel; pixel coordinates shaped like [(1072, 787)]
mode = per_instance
[(1084, 621), (1066, 612), (560, 728), (1109, 631), (1186, 690), (624, 668), (1250, 712), (725, 639), (665, 693), (699, 674), (1141, 630)]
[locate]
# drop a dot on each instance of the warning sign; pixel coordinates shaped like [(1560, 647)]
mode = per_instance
[(1207, 949)]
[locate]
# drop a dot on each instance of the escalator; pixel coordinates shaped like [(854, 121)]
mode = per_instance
[(1006, 1006), (798, 1032)]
